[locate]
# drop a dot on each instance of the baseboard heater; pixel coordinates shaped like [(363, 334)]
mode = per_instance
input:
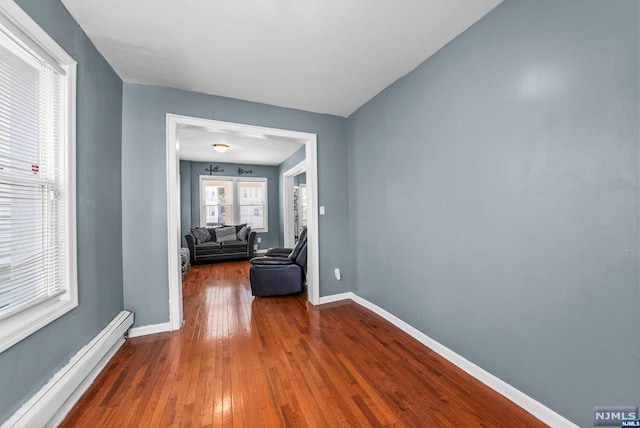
[(49, 406)]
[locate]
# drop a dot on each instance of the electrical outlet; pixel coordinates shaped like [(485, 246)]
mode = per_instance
[(259, 240), (338, 274)]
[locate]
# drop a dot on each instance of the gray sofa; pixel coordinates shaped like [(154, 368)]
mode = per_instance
[(215, 244)]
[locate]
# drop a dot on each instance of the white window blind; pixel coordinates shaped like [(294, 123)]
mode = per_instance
[(32, 179)]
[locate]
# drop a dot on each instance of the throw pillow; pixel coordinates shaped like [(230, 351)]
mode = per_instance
[(201, 234), (242, 234), (226, 234)]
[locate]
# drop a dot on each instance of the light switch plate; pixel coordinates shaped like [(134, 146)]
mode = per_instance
[(322, 210)]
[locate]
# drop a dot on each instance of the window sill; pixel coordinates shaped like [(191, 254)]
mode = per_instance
[(23, 324)]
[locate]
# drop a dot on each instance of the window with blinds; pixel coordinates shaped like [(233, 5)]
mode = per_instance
[(37, 227)]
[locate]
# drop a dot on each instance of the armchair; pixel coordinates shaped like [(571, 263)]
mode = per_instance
[(276, 276), (284, 252)]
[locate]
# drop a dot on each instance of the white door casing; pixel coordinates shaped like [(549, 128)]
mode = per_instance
[(173, 204)]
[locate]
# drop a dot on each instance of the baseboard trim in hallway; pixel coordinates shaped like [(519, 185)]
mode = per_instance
[(336, 298), (537, 409), (150, 329), (49, 406)]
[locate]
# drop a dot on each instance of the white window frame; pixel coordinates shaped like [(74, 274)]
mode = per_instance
[(203, 197), (19, 26), (236, 198)]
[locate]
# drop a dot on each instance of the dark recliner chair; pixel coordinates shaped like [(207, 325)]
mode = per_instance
[(284, 252), (277, 276)]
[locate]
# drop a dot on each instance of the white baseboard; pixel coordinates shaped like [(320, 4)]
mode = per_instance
[(49, 406), (336, 298), (529, 404), (150, 329)]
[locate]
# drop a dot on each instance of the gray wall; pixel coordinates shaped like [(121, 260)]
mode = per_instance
[(23, 370), (144, 193), (511, 217), (270, 238), (292, 160), (286, 165)]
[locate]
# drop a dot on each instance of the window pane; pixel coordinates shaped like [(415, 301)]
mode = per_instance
[(253, 216), (32, 226), (20, 91), (303, 205), (37, 170), (218, 202), (251, 192), (216, 215), (218, 192), (252, 200)]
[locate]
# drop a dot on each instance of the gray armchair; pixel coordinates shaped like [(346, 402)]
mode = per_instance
[(284, 252), (276, 276)]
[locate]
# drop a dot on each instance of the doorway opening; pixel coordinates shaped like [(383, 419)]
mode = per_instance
[(174, 123), (295, 202)]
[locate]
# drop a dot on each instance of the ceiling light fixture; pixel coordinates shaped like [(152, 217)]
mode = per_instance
[(220, 148)]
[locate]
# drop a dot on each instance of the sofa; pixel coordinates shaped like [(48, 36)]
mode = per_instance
[(221, 243)]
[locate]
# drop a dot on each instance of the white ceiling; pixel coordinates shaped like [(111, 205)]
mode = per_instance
[(318, 55), (196, 144)]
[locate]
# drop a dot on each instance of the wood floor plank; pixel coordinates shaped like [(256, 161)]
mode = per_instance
[(280, 362)]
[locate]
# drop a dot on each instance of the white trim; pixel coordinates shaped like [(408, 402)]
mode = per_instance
[(287, 202), (62, 413), (72, 224), (529, 404), (336, 298), (313, 236), (173, 204), (173, 225), (30, 28), (150, 329), (50, 405), (27, 322)]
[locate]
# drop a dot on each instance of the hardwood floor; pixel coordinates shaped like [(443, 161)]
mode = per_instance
[(273, 362)]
